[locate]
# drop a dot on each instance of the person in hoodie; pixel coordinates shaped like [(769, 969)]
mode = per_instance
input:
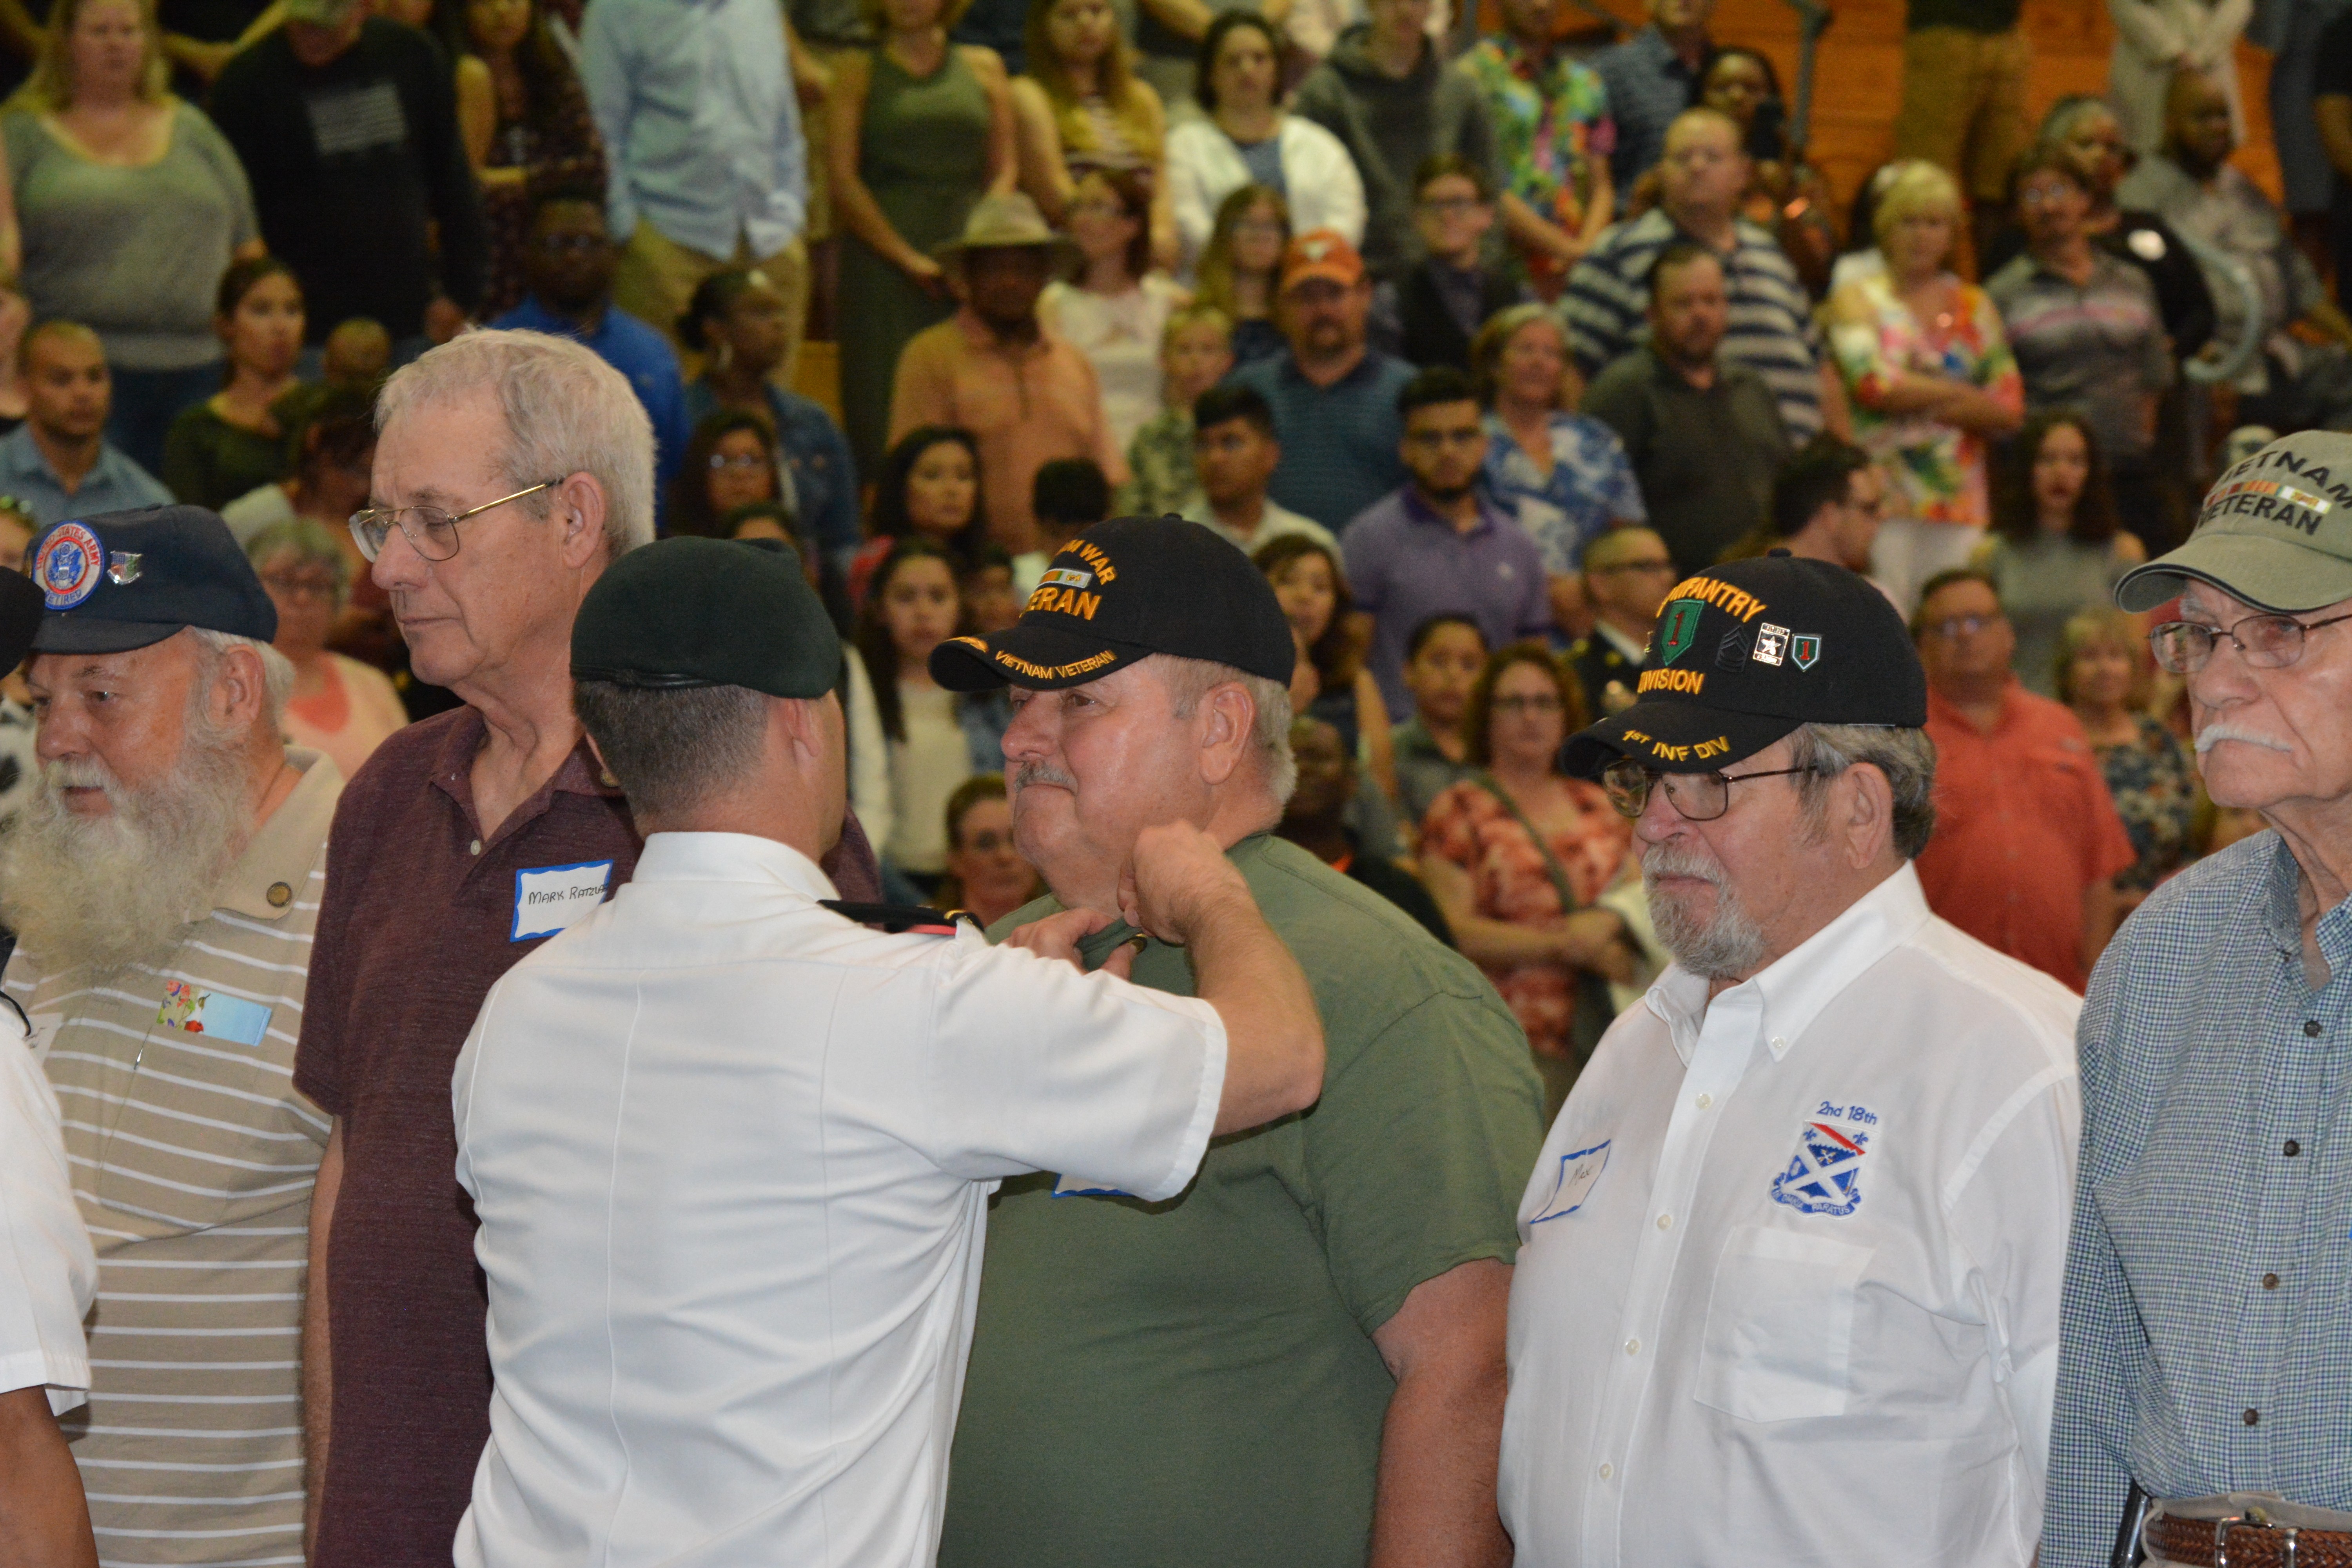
[(1392, 103)]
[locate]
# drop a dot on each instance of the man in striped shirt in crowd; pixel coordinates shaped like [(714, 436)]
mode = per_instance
[(1700, 182), (164, 880)]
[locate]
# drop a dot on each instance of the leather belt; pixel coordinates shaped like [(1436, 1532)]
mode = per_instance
[(2244, 1544)]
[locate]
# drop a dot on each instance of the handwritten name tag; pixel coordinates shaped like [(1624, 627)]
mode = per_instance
[(1578, 1172), (550, 899)]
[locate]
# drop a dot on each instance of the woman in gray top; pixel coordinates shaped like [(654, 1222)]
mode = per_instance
[(130, 205), (2055, 548)]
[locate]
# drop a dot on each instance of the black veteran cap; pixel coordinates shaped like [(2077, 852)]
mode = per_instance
[(1125, 590), (122, 580), (1745, 653), (707, 612), (2275, 530)]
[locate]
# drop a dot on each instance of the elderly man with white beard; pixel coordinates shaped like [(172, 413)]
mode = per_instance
[(2206, 1345), (164, 880), (1787, 1285)]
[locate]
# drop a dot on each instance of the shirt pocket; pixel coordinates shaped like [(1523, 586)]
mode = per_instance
[(1780, 1325)]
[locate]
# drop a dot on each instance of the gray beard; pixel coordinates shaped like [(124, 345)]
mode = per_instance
[(97, 895), (1727, 947)]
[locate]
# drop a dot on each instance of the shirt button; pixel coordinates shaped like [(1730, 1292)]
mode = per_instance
[(1665, 1222), (280, 895), (2311, 1027), (1632, 1347), (1779, 1043), (1607, 1471), (1704, 1101), (2270, 1282), (474, 847), (2250, 1417), (2293, 1148)]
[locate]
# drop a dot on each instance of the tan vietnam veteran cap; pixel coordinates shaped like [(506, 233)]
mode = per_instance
[(2275, 530)]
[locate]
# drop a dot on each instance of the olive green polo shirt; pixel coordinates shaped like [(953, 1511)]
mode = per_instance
[(1194, 1383)]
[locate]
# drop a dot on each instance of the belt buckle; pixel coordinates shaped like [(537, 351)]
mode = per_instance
[(2254, 1518)]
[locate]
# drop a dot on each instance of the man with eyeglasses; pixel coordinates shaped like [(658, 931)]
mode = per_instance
[(2028, 841), (512, 469), (1789, 1261), (570, 261), (1438, 543), (2205, 1315)]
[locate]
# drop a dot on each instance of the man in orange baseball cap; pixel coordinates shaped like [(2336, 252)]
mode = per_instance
[(1334, 399)]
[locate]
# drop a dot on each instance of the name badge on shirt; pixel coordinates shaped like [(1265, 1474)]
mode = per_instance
[(208, 1013), (1578, 1172), (550, 899)]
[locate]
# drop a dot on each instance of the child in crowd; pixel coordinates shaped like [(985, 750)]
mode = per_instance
[(1442, 661), (930, 486), (1070, 496), (1440, 305), (1195, 352)]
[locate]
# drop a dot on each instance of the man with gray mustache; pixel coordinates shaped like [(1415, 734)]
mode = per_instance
[(1794, 1245), (2205, 1327)]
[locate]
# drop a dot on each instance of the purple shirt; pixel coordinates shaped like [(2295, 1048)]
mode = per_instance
[(1406, 563)]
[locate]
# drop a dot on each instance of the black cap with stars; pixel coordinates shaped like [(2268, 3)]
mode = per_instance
[(1743, 653)]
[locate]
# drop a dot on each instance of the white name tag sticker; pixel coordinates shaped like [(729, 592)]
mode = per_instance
[(1578, 1172), (550, 899)]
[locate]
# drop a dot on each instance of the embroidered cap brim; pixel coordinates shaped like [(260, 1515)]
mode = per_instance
[(1029, 653), (1672, 736)]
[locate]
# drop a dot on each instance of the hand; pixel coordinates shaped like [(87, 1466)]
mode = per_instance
[(1057, 936), (1178, 878), (443, 319), (926, 275)]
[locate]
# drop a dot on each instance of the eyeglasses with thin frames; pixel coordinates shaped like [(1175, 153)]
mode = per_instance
[(1699, 797), (2266, 641), (432, 532)]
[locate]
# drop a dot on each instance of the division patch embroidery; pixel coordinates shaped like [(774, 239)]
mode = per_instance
[(1824, 1175)]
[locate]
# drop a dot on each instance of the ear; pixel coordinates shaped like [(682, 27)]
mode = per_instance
[(240, 692), (580, 507), (1226, 717), (1861, 813)]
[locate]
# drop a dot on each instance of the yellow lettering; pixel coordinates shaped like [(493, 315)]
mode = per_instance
[(1690, 681), (1089, 604), (1714, 748), (1670, 754), (1039, 599), (1714, 591)]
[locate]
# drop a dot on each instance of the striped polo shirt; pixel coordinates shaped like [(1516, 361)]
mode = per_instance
[(193, 1158), (1770, 330)]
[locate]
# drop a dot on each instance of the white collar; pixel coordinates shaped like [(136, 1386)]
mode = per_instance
[(730, 858), (1789, 994), (1633, 651)]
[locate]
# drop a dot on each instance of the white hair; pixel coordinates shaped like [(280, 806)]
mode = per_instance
[(277, 672), (566, 412), (1189, 679)]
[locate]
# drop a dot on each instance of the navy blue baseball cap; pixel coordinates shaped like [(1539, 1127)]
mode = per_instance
[(124, 580)]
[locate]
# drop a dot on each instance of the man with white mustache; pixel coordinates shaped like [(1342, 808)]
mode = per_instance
[(164, 880), (2205, 1326), (1792, 1251)]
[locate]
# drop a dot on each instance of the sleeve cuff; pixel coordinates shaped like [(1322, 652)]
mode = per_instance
[(1195, 1145)]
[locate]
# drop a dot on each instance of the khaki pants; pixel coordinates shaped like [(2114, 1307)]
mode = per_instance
[(658, 276), (1964, 106)]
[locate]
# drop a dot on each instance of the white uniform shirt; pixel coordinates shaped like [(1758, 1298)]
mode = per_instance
[(47, 1276), (732, 1157), (1788, 1291)]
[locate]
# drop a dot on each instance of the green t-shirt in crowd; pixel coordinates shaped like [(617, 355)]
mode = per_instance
[(1194, 1383)]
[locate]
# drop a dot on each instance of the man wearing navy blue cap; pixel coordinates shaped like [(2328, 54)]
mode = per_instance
[(1302, 1354), (1794, 1245), (164, 880)]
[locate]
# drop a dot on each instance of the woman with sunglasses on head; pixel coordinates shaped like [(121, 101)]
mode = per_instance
[(1517, 854)]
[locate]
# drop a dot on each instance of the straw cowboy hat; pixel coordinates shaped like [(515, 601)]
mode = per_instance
[(1005, 222)]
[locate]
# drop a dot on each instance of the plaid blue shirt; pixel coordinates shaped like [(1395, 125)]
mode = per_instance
[(2206, 1331)]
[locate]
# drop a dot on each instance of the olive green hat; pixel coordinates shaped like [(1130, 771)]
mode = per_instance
[(2275, 530)]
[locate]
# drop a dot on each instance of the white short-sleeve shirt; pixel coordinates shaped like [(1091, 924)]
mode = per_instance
[(48, 1277), (732, 1155), (1788, 1290)]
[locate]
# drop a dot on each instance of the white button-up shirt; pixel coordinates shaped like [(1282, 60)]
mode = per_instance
[(47, 1276), (732, 1157), (1789, 1286)]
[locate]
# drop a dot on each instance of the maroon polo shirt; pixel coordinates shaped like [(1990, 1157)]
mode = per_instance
[(414, 929)]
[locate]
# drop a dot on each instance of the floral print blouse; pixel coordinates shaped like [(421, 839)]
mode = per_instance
[(1551, 125), (2155, 790), (1934, 472), (1469, 826)]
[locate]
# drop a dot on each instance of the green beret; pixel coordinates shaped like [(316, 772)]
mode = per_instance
[(707, 612)]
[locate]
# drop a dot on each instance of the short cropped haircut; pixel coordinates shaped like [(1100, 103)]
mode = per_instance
[(1437, 165), (1678, 254), (1191, 680), (1821, 472), (1440, 384), (672, 747), (567, 412), (1907, 758), (1227, 402), (1438, 622), (1941, 580), (1071, 491)]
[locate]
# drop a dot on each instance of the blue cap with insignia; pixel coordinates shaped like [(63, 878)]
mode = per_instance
[(124, 580)]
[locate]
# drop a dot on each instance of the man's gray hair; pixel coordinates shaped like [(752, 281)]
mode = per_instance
[(1191, 680), (672, 747), (277, 672), (1907, 758), (566, 411)]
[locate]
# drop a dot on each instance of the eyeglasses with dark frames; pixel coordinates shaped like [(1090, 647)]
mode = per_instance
[(2267, 642), (1699, 797), (431, 531)]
